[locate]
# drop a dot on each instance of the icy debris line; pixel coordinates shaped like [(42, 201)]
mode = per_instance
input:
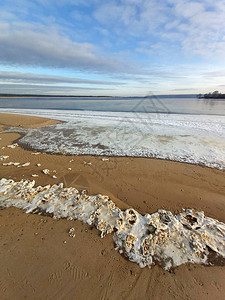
[(163, 238), (13, 146), (11, 163), (17, 164), (3, 157), (24, 165), (45, 171), (105, 159), (87, 163)]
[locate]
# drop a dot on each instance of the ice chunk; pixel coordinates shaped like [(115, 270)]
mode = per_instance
[(163, 238)]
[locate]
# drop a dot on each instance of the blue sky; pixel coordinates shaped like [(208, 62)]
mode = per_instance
[(123, 48)]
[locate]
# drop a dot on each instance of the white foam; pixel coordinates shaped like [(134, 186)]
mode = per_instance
[(163, 238)]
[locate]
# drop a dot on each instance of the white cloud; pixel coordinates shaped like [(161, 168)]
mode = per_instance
[(197, 27), (188, 9), (17, 77), (135, 16), (50, 89), (24, 43), (216, 74), (201, 24)]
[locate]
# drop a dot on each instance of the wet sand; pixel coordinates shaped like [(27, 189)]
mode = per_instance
[(39, 259)]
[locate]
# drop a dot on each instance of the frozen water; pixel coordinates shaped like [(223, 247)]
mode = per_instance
[(197, 139)]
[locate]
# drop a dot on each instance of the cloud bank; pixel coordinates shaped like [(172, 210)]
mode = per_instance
[(21, 44), (16, 77)]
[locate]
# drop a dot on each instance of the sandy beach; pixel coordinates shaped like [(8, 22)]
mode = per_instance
[(40, 260)]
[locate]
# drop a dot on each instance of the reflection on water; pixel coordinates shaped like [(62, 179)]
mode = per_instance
[(153, 104)]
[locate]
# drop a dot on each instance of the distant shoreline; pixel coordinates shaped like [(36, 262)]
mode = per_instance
[(215, 95), (96, 96), (51, 96)]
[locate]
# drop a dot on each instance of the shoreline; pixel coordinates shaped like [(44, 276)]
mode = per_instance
[(142, 183), (30, 148), (189, 140)]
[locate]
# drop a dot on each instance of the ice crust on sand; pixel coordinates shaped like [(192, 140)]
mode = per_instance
[(163, 238), (196, 139)]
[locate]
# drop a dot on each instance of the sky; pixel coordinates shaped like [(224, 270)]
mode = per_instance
[(118, 48)]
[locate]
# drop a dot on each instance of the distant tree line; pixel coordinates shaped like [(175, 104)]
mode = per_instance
[(52, 96), (214, 95)]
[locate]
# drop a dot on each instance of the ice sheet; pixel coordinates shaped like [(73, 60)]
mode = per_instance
[(197, 139)]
